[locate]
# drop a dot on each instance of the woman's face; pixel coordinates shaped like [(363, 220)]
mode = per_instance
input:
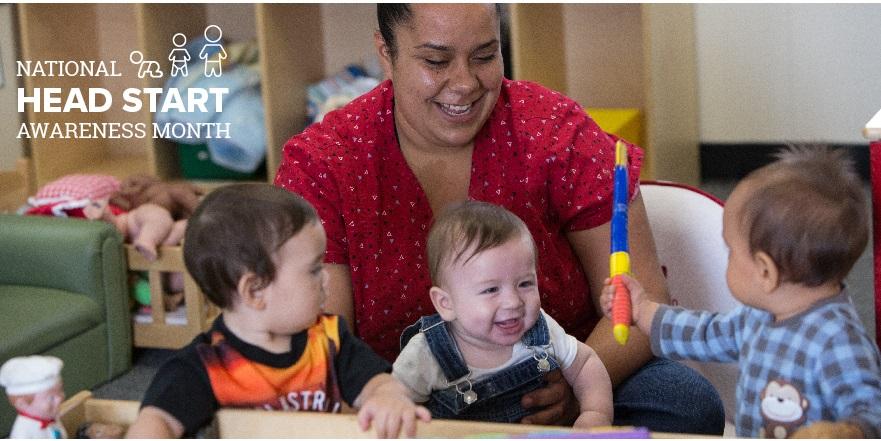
[(447, 73)]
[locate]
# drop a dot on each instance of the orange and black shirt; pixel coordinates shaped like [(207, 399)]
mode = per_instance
[(325, 366)]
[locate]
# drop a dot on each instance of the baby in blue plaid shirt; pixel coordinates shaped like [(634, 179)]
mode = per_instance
[(807, 367)]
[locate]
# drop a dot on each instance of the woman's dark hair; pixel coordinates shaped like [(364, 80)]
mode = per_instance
[(391, 15), (235, 230)]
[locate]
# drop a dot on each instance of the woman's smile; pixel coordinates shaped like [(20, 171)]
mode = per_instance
[(459, 113)]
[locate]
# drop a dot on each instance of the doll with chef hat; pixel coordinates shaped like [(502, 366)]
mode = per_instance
[(34, 388)]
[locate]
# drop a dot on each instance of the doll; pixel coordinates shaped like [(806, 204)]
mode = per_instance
[(34, 388), (179, 198), (146, 227)]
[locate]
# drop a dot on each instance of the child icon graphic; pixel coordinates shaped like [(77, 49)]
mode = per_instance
[(145, 67), (179, 56), (213, 52)]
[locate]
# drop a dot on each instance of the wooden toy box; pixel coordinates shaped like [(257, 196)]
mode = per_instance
[(238, 423)]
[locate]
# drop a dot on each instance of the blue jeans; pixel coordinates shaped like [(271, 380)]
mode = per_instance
[(667, 396)]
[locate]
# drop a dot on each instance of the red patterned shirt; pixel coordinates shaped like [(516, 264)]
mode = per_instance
[(539, 155)]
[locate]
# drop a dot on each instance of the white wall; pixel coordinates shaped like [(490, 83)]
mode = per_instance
[(787, 72)]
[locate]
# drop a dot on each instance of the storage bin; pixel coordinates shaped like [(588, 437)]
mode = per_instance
[(195, 163)]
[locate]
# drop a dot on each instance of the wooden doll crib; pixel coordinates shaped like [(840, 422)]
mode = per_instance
[(160, 331)]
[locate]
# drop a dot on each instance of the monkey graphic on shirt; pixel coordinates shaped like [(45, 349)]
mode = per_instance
[(783, 408)]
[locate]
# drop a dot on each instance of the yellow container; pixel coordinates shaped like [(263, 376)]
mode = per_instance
[(626, 123)]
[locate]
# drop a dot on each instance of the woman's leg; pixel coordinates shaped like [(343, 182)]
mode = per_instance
[(667, 396)]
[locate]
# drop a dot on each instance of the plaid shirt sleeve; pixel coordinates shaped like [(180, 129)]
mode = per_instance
[(851, 373), (680, 334)]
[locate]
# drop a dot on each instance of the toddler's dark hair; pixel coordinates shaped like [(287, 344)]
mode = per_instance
[(808, 213), (236, 229)]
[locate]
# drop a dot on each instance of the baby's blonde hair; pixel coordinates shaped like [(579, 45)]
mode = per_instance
[(467, 229)]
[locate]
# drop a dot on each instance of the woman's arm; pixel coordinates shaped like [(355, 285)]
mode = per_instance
[(339, 294), (592, 248)]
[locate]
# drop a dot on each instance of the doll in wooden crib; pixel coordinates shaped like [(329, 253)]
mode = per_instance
[(147, 211), (146, 226)]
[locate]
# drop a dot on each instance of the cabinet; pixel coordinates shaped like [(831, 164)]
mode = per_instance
[(301, 43), (291, 34), (620, 56)]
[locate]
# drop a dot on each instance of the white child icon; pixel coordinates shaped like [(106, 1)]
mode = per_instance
[(212, 64), (179, 56), (148, 67)]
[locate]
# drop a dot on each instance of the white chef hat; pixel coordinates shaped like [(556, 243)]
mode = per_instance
[(31, 374)]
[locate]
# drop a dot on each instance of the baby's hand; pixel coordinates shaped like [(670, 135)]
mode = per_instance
[(589, 420), (638, 298), (389, 409)]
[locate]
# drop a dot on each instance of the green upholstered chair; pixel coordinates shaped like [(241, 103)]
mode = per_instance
[(63, 293)]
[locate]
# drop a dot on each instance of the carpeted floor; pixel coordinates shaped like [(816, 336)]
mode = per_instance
[(133, 384)]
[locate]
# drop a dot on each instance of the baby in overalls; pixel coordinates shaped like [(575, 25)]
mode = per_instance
[(490, 343)]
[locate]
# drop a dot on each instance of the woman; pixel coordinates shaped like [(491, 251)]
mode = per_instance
[(447, 127)]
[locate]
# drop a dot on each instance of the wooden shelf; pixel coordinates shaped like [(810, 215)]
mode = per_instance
[(661, 67), (292, 33), (15, 186), (296, 47), (120, 167), (211, 185)]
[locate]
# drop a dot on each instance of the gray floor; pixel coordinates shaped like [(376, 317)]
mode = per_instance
[(133, 384)]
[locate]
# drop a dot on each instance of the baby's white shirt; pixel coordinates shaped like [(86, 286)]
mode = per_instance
[(417, 368)]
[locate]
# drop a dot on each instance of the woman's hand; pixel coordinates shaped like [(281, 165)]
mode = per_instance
[(556, 401)]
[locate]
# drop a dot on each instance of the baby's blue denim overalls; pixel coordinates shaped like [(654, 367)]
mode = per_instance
[(493, 398)]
